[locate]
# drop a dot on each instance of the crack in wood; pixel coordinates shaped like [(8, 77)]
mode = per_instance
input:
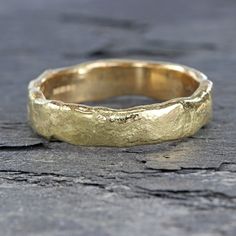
[(46, 179), (109, 52), (201, 199), (13, 148), (125, 24)]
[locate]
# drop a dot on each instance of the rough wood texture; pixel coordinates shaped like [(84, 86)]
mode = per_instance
[(183, 188)]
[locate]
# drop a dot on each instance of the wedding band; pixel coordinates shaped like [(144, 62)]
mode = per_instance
[(55, 110)]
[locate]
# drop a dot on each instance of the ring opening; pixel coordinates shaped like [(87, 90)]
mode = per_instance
[(100, 82)]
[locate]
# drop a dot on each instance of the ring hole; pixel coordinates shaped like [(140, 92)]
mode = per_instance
[(123, 101), (126, 84)]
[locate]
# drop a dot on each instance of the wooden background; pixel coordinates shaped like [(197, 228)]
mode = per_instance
[(182, 188)]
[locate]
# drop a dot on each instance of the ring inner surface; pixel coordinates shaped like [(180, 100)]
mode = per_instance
[(102, 82)]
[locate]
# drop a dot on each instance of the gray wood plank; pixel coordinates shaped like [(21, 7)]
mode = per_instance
[(186, 187)]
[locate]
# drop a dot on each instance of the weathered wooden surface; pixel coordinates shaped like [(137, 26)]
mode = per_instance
[(185, 187)]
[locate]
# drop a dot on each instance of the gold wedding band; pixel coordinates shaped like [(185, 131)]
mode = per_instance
[(54, 108)]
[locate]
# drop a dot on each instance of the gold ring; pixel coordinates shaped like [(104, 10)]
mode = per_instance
[(55, 97)]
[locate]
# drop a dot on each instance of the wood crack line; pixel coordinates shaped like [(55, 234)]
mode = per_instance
[(205, 193), (37, 145), (48, 179)]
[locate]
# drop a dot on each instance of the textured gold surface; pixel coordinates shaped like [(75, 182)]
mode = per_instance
[(54, 110)]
